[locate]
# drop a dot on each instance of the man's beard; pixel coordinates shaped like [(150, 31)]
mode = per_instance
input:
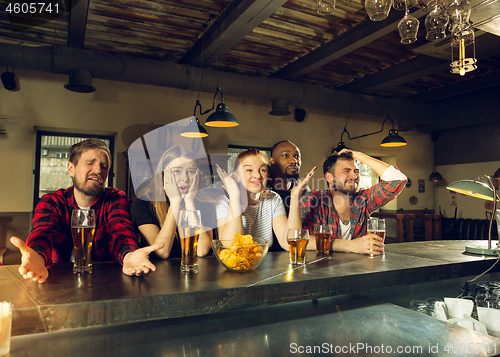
[(292, 176), (345, 190), (92, 191)]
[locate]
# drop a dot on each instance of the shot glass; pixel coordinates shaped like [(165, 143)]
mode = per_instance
[(189, 229), (297, 243), (83, 223), (5, 327), (323, 234), (377, 226)]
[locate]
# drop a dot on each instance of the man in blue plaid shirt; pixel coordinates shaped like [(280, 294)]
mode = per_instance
[(345, 206), (50, 240)]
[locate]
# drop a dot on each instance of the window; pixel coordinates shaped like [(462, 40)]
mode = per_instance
[(367, 177), (51, 161)]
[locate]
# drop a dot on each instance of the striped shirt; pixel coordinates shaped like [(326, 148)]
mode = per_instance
[(258, 219)]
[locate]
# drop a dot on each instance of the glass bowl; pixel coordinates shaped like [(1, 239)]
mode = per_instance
[(240, 258)]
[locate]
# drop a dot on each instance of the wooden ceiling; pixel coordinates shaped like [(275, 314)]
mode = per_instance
[(274, 38)]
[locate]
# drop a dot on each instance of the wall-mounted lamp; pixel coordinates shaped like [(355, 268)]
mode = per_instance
[(435, 177), (391, 140), (80, 81), (480, 190), (221, 118), (194, 128), (280, 107)]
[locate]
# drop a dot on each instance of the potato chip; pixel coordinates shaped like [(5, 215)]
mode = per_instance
[(243, 254)]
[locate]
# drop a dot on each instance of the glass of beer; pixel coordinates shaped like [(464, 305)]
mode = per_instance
[(297, 242), (189, 230), (82, 230), (377, 226), (323, 234), (5, 327)]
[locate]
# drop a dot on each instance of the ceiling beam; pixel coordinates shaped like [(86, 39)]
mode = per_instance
[(459, 88), (400, 73), (236, 21), (78, 23), (360, 36)]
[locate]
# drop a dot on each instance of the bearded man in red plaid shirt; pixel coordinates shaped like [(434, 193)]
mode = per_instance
[(345, 206), (50, 240)]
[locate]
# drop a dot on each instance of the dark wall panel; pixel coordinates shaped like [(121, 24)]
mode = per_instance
[(478, 143)]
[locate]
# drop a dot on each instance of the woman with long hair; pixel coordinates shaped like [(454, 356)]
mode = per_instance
[(173, 188), (249, 208)]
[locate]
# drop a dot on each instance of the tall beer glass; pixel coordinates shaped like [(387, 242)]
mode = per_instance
[(323, 234), (297, 242), (189, 230), (83, 229), (377, 226)]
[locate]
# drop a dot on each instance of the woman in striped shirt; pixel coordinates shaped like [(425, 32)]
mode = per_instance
[(250, 208)]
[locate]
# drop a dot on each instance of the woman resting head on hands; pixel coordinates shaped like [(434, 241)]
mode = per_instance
[(248, 208), (173, 188)]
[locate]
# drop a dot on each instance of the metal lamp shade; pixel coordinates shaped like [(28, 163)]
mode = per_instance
[(194, 130), (393, 139), (472, 188), (480, 190), (221, 118), (280, 107), (435, 177), (80, 81)]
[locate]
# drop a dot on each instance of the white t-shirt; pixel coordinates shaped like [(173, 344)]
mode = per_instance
[(257, 219)]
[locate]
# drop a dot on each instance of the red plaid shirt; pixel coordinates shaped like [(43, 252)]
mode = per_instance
[(317, 207), (51, 233)]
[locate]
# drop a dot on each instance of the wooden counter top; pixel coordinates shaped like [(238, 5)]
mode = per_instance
[(107, 297)]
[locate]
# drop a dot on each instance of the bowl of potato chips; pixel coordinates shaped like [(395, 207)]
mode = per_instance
[(242, 254)]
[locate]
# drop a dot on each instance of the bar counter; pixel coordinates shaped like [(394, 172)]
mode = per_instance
[(110, 303)]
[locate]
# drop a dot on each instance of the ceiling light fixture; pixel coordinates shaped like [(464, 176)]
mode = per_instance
[(463, 38), (454, 14), (480, 190), (435, 176), (221, 118), (393, 139), (80, 81), (280, 107), (194, 128)]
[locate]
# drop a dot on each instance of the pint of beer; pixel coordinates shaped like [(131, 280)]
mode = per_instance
[(82, 230), (5, 327), (377, 226), (189, 230), (297, 245), (323, 234)]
